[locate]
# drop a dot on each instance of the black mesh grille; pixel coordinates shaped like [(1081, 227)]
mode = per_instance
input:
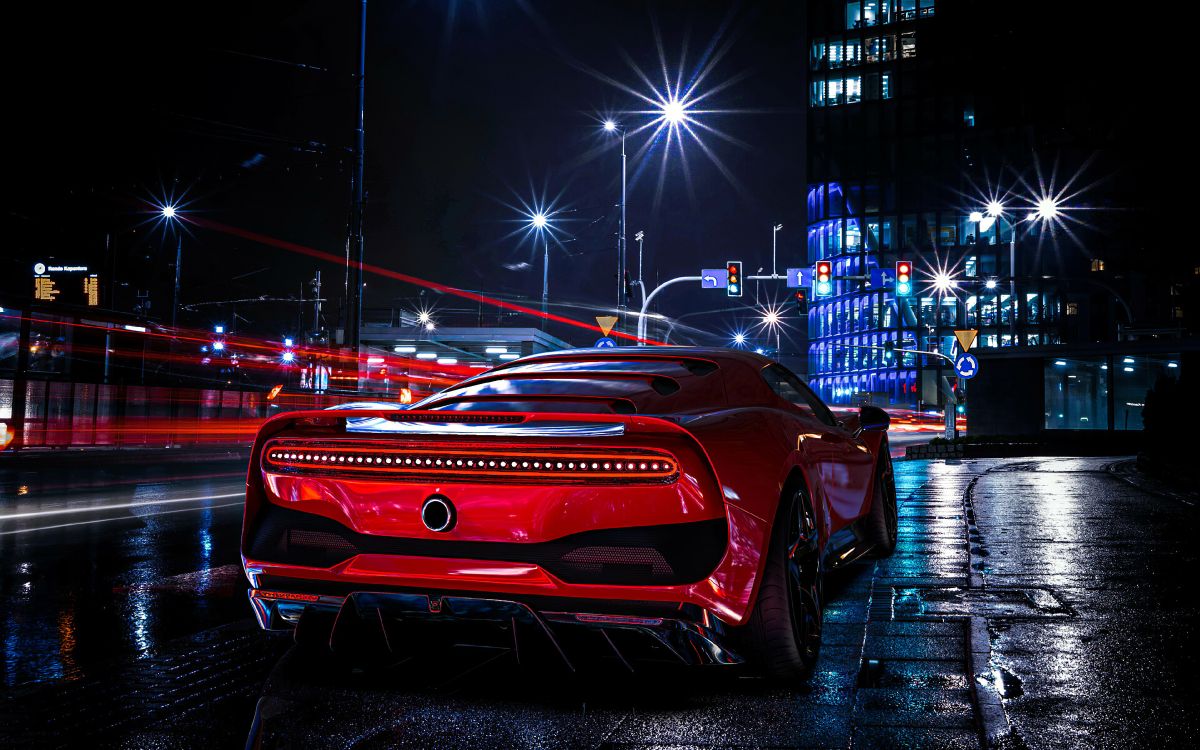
[(669, 554)]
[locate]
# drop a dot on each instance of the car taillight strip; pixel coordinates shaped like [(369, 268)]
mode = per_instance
[(632, 465)]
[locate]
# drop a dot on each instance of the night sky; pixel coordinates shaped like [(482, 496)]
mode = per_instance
[(471, 107)]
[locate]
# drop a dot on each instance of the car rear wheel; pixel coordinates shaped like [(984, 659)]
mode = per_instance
[(883, 519), (783, 635)]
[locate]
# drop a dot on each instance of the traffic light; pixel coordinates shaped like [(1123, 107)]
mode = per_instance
[(904, 286), (823, 279), (801, 302), (734, 287)]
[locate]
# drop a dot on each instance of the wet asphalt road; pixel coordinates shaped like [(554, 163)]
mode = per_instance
[(1039, 603)]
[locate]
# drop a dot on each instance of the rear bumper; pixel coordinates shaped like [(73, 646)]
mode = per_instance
[(389, 620)]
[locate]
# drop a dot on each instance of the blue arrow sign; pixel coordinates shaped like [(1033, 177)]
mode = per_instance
[(799, 277), (714, 278), (883, 277), (605, 343), (966, 365)]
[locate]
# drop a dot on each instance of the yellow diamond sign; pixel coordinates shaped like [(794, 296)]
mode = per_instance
[(606, 323), (965, 339)]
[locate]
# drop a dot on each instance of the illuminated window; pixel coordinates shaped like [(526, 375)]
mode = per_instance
[(1072, 308), (819, 55), (879, 48), (1097, 264), (908, 44)]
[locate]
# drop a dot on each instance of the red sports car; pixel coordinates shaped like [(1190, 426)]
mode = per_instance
[(628, 504)]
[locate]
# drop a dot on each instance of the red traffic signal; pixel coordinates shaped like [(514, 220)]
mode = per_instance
[(733, 286), (801, 302), (903, 278), (823, 279)]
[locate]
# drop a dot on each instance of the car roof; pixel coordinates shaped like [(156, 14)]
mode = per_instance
[(628, 352)]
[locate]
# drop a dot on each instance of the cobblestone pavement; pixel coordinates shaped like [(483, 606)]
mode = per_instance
[(1040, 603)]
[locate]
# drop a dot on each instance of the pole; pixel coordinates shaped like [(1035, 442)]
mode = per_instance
[(317, 306), (1012, 283), (545, 279), (355, 254), (774, 242), (178, 261), (641, 236), (622, 301), (641, 324)]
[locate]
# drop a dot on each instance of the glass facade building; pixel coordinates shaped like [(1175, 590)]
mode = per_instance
[(896, 168)]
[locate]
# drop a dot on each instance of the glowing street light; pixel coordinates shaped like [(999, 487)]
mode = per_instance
[(943, 282), (1047, 209), (975, 217), (168, 212), (538, 221), (673, 110), (739, 339), (611, 126), (995, 209)]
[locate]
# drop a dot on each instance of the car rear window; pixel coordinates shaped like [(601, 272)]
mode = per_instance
[(644, 386)]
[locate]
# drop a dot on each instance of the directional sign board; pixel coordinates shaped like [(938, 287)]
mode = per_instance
[(714, 278), (967, 366), (605, 343), (966, 339), (799, 277), (606, 323), (883, 277)]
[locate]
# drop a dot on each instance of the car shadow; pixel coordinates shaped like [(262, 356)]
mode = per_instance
[(484, 690)]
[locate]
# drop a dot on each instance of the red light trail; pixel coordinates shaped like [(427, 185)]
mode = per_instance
[(388, 273)]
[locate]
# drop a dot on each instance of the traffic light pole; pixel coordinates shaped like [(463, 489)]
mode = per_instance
[(648, 298)]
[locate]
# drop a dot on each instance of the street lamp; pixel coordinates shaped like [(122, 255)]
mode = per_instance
[(774, 238), (640, 237), (1047, 209), (996, 212), (541, 225), (170, 214), (611, 126)]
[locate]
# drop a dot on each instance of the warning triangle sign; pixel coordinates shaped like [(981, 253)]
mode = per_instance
[(965, 339), (606, 323)]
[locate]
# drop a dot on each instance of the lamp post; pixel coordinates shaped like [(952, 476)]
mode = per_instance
[(774, 236), (171, 215), (538, 222), (1046, 210), (640, 237), (611, 126)]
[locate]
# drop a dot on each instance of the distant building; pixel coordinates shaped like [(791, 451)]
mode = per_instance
[(919, 114)]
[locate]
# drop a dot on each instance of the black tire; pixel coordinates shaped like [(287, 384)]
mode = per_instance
[(783, 635), (882, 522)]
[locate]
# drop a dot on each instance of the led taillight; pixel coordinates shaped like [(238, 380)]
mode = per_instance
[(488, 462)]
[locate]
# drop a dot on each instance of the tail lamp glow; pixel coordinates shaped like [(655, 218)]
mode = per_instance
[(734, 286), (903, 278), (298, 457), (823, 279)]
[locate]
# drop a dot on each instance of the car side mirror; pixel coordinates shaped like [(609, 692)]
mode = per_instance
[(873, 419)]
